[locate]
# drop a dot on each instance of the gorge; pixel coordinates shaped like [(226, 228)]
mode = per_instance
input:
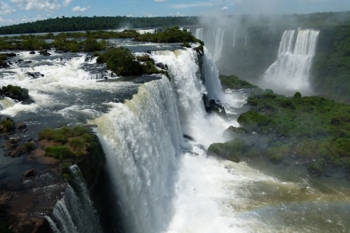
[(155, 131)]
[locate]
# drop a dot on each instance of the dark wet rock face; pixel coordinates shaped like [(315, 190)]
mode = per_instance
[(25, 202)]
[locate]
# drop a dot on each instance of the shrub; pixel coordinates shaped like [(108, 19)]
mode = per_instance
[(67, 131), (29, 145), (252, 119), (121, 61), (7, 125), (77, 144), (59, 152), (60, 137), (91, 45), (87, 137), (47, 133), (80, 130)]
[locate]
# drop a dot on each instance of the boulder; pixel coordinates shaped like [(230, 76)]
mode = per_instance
[(21, 125), (35, 75), (44, 53), (162, 65), (232, 132), (11, 144), (29, 173)]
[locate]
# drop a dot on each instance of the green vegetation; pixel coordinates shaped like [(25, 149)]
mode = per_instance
[(15, 92), (3, 59), (7, 125), (233, 82), (69, 143), (312, 131), (59, 152), (331, 68), (123, 62), (168, 35), (61, 24)]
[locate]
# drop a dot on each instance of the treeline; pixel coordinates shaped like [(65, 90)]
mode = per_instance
[(63, 24), (91, 41)]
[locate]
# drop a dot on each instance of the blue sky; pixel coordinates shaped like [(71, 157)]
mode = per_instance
[(19, 11)]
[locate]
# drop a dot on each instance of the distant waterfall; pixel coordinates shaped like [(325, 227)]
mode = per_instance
[(219, 43), (290, 71), (199, 33), (75, 213)]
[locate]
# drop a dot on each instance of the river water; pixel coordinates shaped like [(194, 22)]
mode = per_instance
[(162, 181)]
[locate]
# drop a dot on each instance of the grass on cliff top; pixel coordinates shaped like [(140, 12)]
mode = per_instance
[(313, 131), (233, 82), (69, 142)]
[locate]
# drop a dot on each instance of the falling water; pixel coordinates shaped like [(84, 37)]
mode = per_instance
[(234, 38), (165, 183), (142, 139), (199, 33), (290, 72), (219, 43), (75, 213)]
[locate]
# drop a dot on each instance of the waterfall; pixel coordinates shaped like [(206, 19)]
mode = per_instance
[(291, 69), (6, 102), (189, 91), (142, 139), (199, 33), (234, 38), (211, 80), (75, 213), (219, 43)]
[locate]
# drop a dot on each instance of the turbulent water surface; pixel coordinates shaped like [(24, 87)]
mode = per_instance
[(163, 181)]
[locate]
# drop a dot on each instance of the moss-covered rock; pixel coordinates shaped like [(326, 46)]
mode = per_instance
[(233, 82), (15, 92)]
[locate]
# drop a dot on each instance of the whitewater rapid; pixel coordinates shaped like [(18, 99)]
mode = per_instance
[(162, 181)]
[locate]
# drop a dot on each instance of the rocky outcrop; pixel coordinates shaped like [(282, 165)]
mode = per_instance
[(25, 202)]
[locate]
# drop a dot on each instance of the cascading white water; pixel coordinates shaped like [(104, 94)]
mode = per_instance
[(75, 213), (219, 43), (6, 102), (290, 72), (211, 80), (162, 183), (199, 33), (142, 139), (189, 90)]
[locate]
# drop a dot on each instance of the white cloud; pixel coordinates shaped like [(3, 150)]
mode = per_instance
[(224, 8), (189, 5), (38, 5), (6, 9), (80, 9), (66, 2), (160, 0)]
